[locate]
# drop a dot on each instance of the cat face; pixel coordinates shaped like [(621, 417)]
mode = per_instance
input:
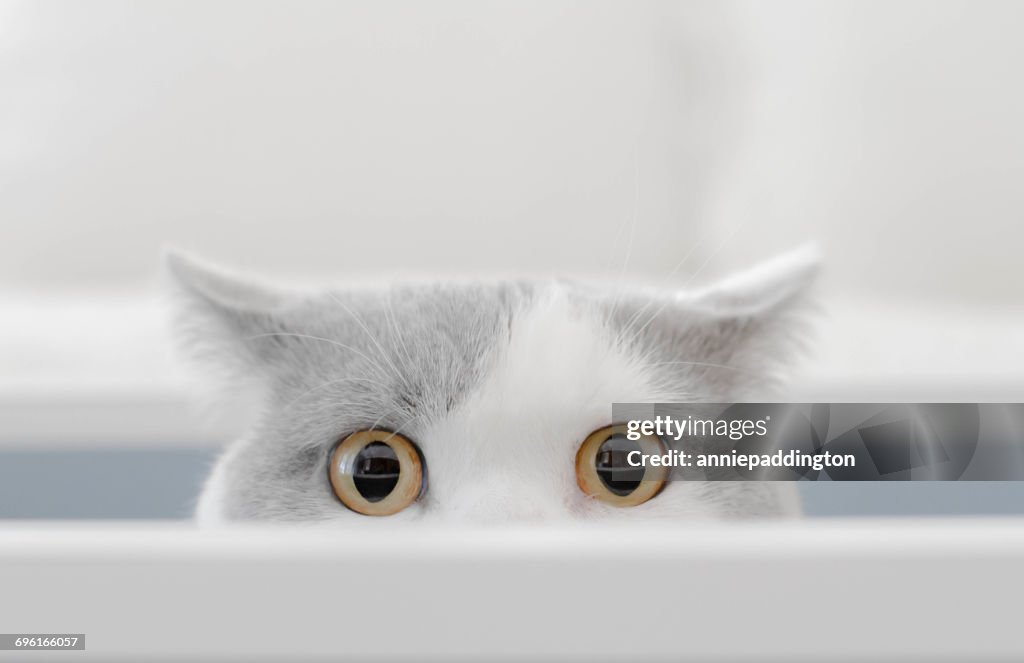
[(495, 385)]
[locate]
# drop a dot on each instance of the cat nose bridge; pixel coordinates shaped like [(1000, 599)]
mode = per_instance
[(495, 498)]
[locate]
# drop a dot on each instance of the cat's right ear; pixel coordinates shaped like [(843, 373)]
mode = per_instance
[(225, 320)]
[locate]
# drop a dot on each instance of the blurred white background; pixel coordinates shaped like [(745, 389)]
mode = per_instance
[(365, 140), (465, 137)]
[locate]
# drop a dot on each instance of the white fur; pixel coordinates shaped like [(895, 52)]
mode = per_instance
[(508, 452)]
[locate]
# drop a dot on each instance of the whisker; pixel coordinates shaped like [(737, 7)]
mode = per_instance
[(389, 316), (403, 425), (317, 338), (381, 418), (635, 318), (327, 384), (632, 229), (372, 338), (703, 363), (661, 308)]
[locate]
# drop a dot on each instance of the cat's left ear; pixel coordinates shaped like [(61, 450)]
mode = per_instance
[(737, 333), (229, 321)]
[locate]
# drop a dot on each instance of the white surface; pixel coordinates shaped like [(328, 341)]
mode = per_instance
[(795, 591), (94, 370)]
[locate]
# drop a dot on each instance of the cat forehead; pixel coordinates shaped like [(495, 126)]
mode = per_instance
[(551, 382), (412, 357), (559, 355)]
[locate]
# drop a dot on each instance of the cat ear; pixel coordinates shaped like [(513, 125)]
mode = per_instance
[(773, 285), (224, 319), (740, 332)]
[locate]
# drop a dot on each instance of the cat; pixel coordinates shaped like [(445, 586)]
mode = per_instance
[(493, 385)]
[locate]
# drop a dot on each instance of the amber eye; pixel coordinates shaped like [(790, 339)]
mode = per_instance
[(377, 473), (603, 470)]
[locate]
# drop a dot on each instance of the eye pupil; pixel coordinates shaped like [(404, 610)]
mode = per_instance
[(376, 471), (603, 471), (613, 468)]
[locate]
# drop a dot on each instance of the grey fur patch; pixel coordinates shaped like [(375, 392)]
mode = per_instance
[(335, 362)]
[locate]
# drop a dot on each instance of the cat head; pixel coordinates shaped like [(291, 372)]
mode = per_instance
[(495, 385)]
